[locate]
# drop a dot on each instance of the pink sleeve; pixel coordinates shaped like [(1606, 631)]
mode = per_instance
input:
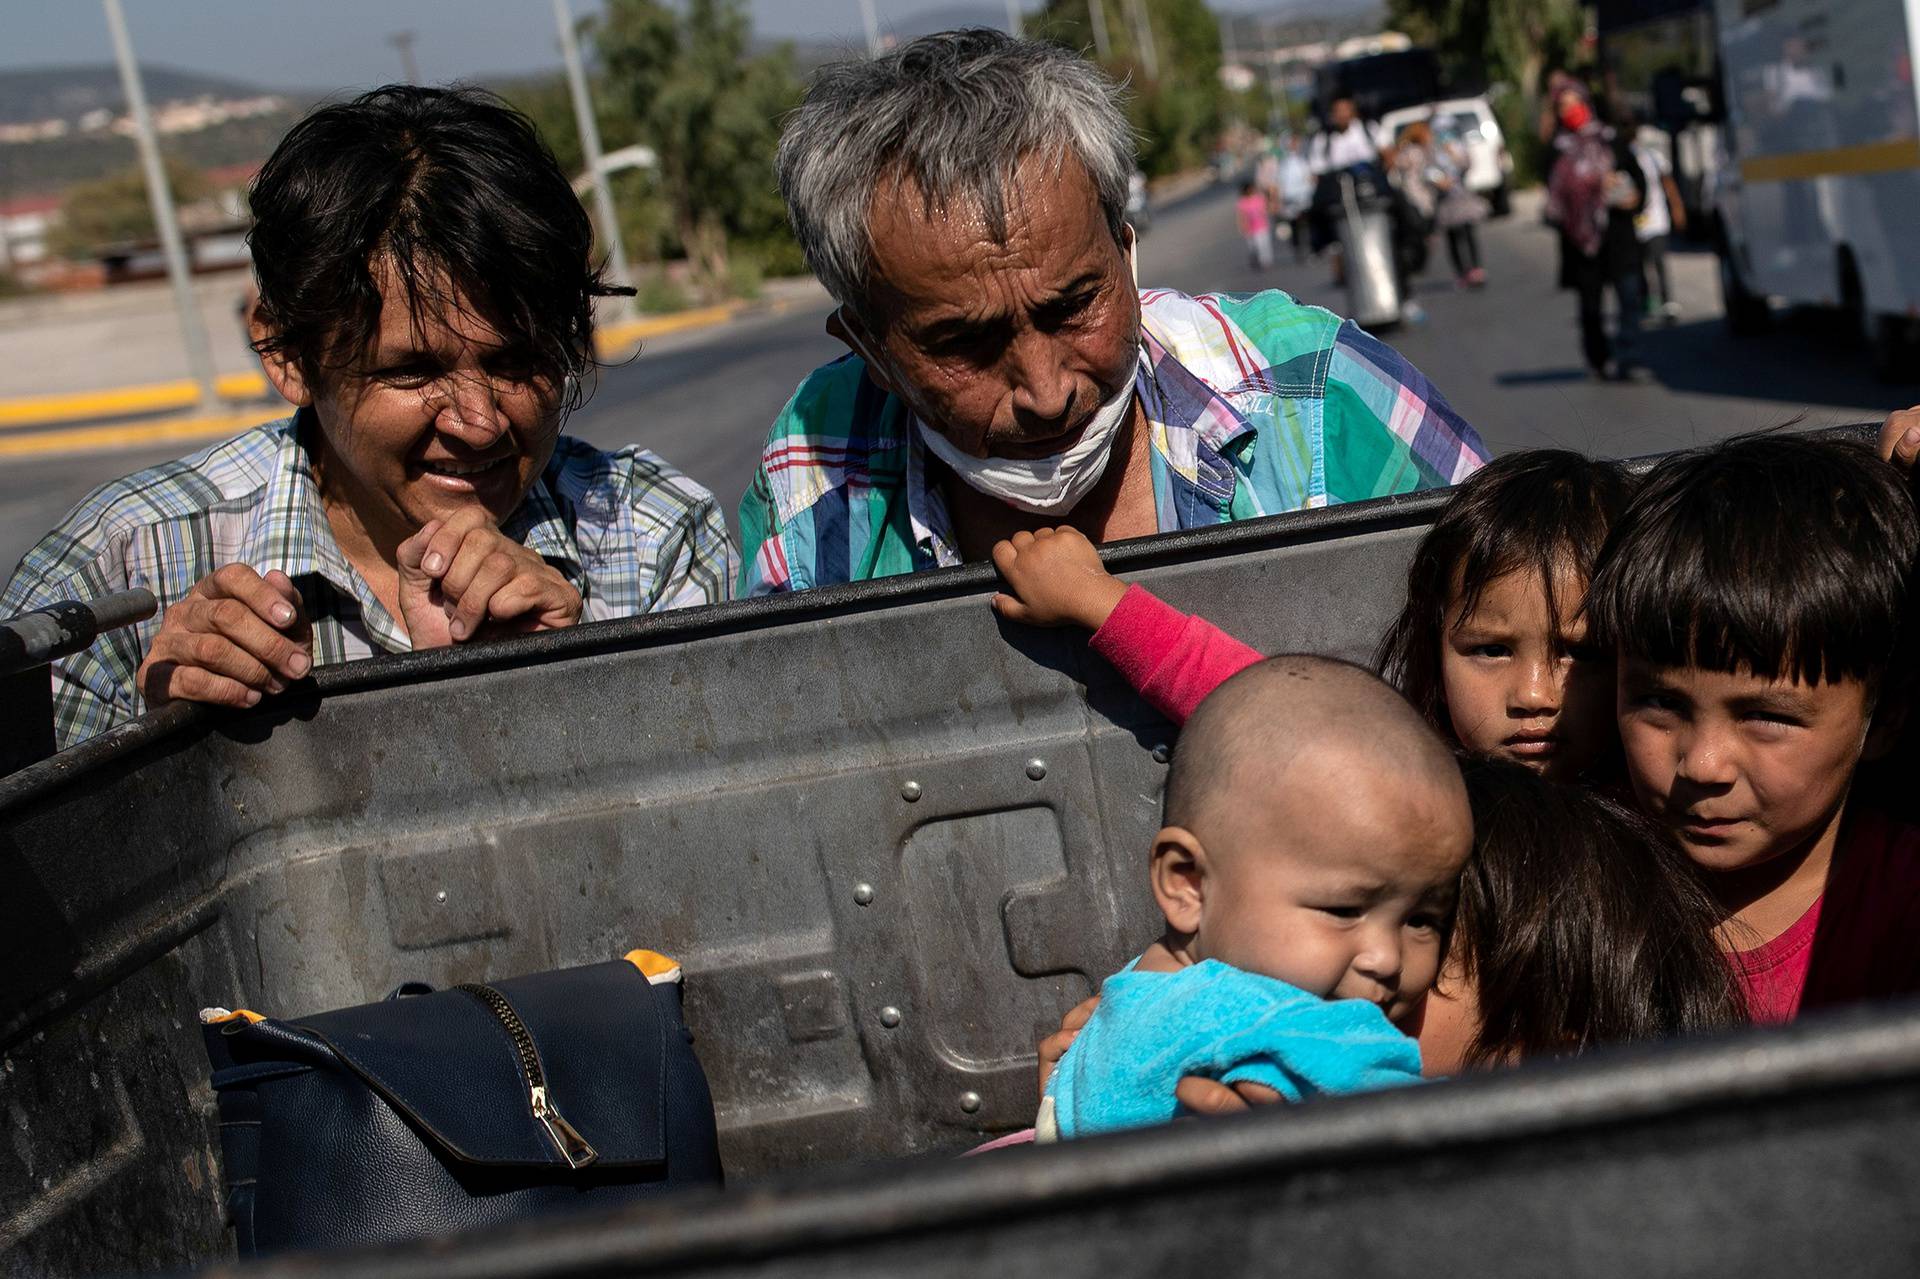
[(1172, 659)]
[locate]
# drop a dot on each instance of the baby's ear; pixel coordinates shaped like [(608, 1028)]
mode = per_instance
[(1179, 878)]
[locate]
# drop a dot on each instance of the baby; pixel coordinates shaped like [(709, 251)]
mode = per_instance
[(1315, 833)]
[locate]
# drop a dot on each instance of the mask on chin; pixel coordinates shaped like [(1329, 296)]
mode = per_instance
[(1051, 485)]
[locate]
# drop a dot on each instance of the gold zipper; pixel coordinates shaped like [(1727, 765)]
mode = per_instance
[(577, 1151)]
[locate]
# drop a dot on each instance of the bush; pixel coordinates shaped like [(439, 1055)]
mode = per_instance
[(658, 293)]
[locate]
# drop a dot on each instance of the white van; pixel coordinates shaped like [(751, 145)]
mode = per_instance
[(1471, 122), (1819, 201)]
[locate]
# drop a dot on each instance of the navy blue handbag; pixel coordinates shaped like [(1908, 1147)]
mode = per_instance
[(433, 1110)]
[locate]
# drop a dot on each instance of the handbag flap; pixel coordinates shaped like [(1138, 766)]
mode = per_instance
[(449, 1065)]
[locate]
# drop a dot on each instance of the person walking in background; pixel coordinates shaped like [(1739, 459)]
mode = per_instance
[(1459, 212), (1256, 224), (1596, 191), (1665, 215), (1296, 194)]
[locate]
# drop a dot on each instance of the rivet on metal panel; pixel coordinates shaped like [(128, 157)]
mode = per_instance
[(1037, 769), (863, 894), (889, 1016), (1162, 753), (911, 792), (970, 1102)]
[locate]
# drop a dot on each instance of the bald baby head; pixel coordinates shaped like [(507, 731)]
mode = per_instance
[(1315, 832), (1299, 721)]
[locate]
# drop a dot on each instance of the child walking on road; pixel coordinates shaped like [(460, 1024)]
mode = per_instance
[(1256, 225)]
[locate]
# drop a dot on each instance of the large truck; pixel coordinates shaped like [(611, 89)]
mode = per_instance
[(1797, 132), (891, 839), (1816, 205)]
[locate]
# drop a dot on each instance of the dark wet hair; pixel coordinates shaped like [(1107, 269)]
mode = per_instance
[(1784, 556), (1580, 923), (430, 181), (1540, 509)]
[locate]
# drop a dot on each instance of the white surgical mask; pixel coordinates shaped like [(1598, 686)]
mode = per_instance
[(1051, 485)]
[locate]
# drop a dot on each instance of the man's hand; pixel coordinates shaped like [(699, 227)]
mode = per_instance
[(1900, 438), (235, 636), (1056, 579), (463, 578), (1055, 1046)]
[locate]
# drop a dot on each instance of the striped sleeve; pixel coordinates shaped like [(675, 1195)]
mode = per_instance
[(763, 558), (93, 690), (1387, 428)]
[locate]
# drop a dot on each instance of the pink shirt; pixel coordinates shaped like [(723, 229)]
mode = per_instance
[(1859, 940), (1253, 213), (1171, 659)]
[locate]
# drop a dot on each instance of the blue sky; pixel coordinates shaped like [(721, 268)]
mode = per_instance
[(326, 44)]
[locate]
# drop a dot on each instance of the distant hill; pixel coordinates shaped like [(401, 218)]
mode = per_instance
[(67, 93)]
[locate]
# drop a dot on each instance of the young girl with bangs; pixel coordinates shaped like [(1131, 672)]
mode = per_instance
[(1489, 647)]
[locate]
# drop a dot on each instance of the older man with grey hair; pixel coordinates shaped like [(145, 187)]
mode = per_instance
[(964, 200)]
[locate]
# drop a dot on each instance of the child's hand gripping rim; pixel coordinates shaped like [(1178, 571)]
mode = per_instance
[(1054, 577)]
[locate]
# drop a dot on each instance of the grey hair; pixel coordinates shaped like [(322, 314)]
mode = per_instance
[(954, 113)]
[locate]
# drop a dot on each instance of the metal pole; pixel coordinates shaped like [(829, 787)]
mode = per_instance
[(1275, 109), (590, 146), (1013, 18), (192, 332), (1229, 57), (1097, 10), (403, 41), (873, 28), (1143, 39)]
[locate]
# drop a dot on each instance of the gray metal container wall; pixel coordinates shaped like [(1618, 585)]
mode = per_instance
[(891, 839)]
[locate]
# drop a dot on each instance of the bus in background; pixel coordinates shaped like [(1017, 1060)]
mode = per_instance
[(1816, 201), (1379, 82)]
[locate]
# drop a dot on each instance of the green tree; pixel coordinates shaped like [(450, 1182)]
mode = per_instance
[(115, 209), (1499, 41), (683, 78), (1178, 113)]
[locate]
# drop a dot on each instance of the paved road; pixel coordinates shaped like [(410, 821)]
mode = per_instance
[(1508, 358)]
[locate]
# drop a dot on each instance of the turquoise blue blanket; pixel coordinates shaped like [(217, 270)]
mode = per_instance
[(1211, 1019)]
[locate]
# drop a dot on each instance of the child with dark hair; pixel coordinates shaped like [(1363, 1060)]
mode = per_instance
[(1756, 594), (1529, 976), (1490, 645), (1485, 650)]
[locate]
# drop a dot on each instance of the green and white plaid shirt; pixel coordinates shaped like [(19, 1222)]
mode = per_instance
[(632, 534)]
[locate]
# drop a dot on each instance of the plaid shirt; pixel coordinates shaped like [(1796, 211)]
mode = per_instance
[(1256, 405), (632, 534)]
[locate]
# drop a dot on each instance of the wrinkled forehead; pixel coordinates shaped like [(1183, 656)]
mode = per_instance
[(1047, 220)]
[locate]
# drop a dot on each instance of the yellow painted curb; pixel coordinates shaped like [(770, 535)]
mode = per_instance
[(89, 439), (156, 397), (612, 342), (614, 339)]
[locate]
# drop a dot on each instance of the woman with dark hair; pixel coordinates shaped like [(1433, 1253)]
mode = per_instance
[(1594, 192), (426, 292)]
